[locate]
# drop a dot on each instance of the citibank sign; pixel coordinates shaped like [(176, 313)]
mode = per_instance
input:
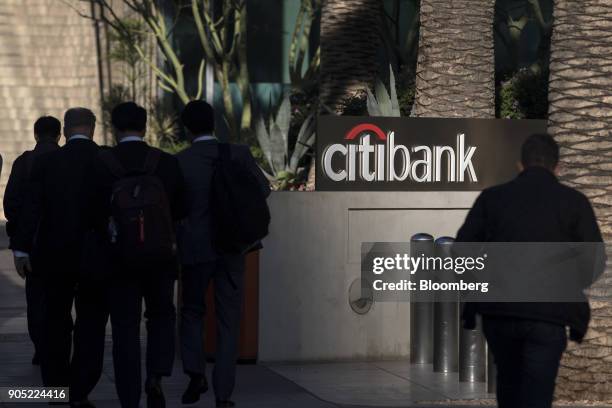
[(372, 161), (418, 154)]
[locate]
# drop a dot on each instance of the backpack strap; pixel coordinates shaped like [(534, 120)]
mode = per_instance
[(112, 163), (151, 161)]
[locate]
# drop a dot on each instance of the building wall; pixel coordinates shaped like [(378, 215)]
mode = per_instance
[(48, 62), (312, 256)]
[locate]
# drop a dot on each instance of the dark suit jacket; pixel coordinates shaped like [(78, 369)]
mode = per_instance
[(534, 207), (16, 187), (194, 233), (54, 217), (132, 156)]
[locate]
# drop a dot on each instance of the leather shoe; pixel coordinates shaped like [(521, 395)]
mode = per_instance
[(197, 386), (225, 403), (155, 395)]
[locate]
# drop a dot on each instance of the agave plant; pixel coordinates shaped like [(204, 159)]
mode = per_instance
[(381, 103), (283, 159)]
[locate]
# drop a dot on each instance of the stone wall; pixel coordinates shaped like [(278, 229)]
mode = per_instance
[(48, 62)]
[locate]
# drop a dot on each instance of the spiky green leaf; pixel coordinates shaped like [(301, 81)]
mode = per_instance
[(372, 105), (263, 138), (283, 121), (304, 142), (395, 107), (383, 98), (278, 147)]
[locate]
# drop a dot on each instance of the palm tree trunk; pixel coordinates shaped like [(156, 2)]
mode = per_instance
[(455, 67), (350, 40), (580, 118)]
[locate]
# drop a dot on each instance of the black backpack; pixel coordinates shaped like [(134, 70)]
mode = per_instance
[(141, 230), (240, 214)]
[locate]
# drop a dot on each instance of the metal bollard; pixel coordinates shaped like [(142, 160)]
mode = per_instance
[(446, 317), (491, 372), (421, 310), (472, 355)]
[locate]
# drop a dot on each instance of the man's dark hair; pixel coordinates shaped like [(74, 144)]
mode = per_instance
[(129, 116), (47, 127), (199, 117), (78, 117), (540, 149)]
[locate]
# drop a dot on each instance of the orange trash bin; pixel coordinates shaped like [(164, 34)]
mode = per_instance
[(249, 324)]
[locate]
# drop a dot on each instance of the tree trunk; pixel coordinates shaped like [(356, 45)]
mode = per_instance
[(350, 40), (455, 68), (580, 118)]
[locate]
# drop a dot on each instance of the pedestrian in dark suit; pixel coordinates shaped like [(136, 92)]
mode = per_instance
[(201, 264), (129, 286), (52, 229), (47, 130), (528, 339)]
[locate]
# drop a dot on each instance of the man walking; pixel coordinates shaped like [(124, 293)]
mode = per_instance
[(47, 131), (201, 264), (528, 339), (52, 229), (138, 193)]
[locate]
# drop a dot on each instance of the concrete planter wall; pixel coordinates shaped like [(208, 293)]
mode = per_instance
[(312, 256)]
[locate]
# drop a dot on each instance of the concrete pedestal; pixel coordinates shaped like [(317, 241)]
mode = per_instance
[(312, 256)]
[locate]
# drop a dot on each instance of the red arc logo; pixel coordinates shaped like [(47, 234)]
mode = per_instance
[(365, 127)]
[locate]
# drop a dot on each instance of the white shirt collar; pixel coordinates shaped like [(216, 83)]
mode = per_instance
[(204, 138), (78, 137), (131, 139)]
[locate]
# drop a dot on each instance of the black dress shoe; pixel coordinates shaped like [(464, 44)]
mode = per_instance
[(225, 403), (36, 359), (155, 395), (197, 386), (82, 404)]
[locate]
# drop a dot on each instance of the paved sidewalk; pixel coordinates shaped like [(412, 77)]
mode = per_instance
[(384, 383), (256, 387)]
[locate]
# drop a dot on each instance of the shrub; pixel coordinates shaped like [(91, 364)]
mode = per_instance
[(524, 95)]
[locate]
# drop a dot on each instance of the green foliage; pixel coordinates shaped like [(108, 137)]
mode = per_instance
[(124, 43), (304, 74), (163, 127), (305, 77), (303, 103), (523, 31), (383, 104), (222, 30), (259, 156), (406, 91), (524, 95), (116, 95), (395, 103), (400, 45), (354, 105), (282, 155), (175, 148)]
